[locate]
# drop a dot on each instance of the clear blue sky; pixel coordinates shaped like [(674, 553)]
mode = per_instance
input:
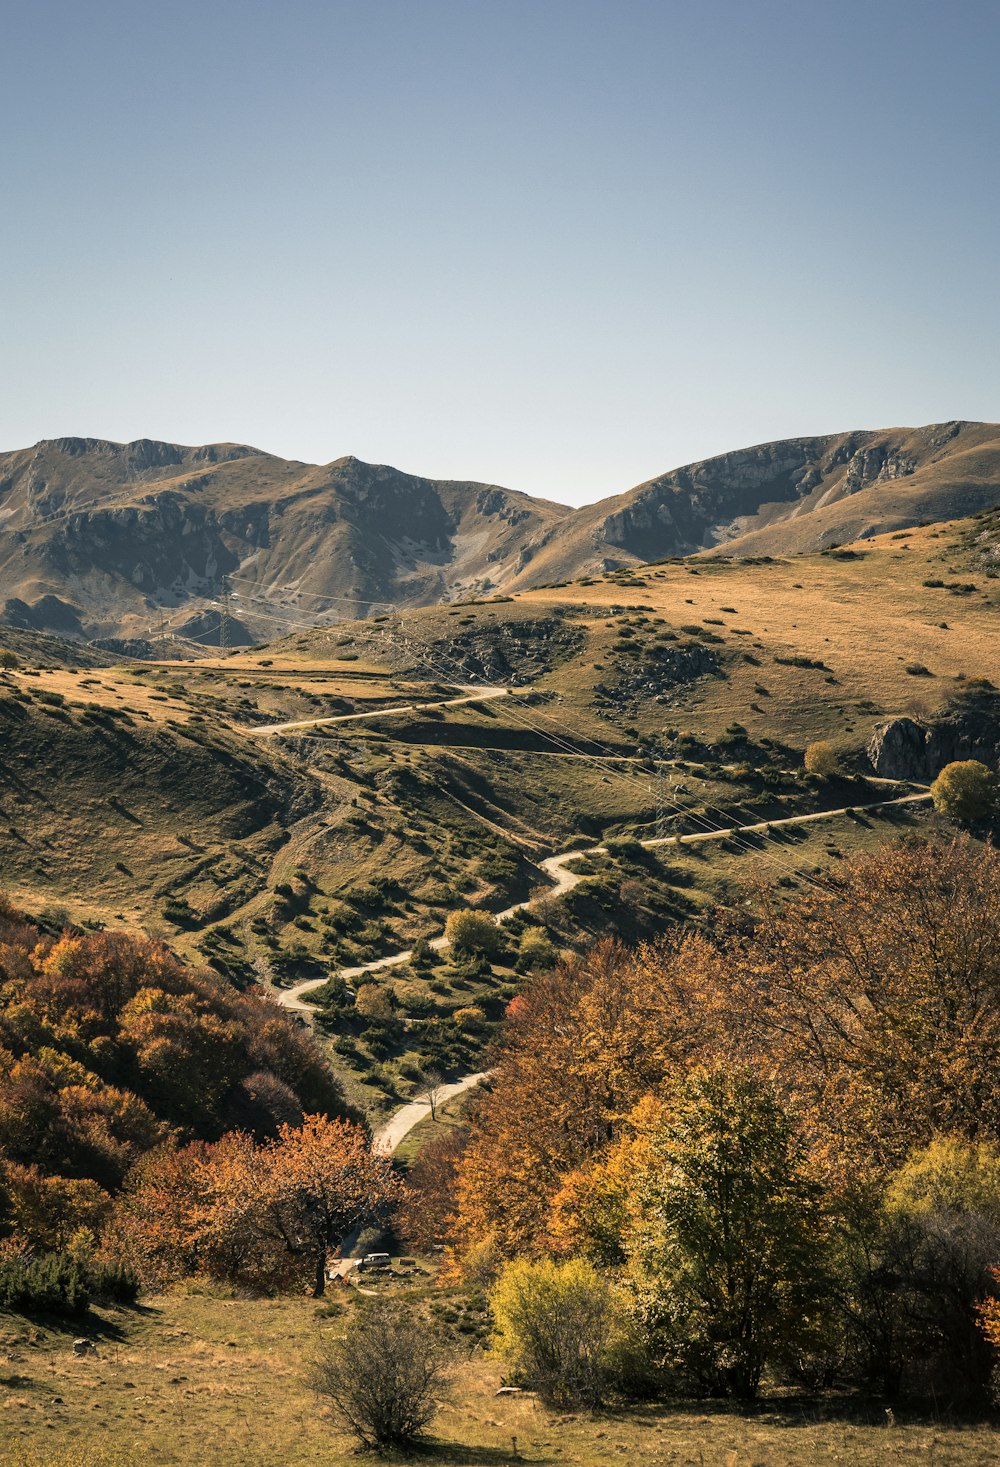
[(561, 245)]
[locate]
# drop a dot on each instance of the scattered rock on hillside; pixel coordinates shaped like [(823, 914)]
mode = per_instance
[(513, 652), (654, 671)]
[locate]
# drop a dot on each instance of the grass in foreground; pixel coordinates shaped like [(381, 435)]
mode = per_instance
[(200, 1380)]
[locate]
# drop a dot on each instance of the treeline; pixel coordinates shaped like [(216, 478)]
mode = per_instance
[(113, 1052), (770, 1152)]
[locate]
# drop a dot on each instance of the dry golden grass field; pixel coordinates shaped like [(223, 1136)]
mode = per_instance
[(200, 1381)]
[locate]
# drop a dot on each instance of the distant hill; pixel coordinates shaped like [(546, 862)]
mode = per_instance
[(102, 540), (106, 539), (798, 494)]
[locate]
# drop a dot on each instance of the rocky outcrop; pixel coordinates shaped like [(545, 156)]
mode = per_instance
[(876, 465), (898, 750), (906, 749), (685, 510), (653, 674), (513, 652)]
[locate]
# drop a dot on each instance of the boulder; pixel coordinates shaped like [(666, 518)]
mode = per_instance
[(908, 750), (898, 749)]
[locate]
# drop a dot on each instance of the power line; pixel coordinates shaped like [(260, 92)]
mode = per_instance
[(438, 663), (687, 812)]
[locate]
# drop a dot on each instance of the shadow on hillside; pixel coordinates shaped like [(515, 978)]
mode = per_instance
[(809, 1411), (434, 1451), (108, 1324)]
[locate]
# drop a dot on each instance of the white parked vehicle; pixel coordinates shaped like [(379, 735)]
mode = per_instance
[(375, 1261)]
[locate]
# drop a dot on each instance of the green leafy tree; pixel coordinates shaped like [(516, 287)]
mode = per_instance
[(965, 791), (950, 1174), (726, 1250)]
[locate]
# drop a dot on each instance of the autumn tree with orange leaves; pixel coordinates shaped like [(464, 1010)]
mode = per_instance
[(258, 1215), (876, 1002), (427, 1211), (582, 1045), (317, 1183), (110, 1049), (872, 1005), (156, 1221)]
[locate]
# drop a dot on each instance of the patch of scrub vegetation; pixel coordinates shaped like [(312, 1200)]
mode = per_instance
[(149, 797)]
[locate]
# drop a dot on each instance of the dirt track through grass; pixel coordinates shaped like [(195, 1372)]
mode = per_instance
[(556, 868)]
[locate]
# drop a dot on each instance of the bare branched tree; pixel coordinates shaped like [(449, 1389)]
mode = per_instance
[(429, 1086)]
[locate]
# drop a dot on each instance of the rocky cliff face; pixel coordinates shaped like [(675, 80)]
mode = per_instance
[(697, 506), (776, 498), (907, 749), (101, 539)]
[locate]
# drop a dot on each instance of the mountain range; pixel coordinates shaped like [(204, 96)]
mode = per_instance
[(132, 541)]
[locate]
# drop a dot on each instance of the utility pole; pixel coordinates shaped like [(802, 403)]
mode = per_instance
[(657, 790), (224, 618)]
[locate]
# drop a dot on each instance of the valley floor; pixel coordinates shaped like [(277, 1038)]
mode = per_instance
[(193, 1379)]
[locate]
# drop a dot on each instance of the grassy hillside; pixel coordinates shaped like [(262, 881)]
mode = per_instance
[(678, 699), (231, 1377)]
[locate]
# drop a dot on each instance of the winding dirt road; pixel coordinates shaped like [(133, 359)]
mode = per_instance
[(471, 695), (563, 880), (401, 1123)]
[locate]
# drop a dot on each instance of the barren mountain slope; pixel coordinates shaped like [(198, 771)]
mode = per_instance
[(793, 495), (106, 539)]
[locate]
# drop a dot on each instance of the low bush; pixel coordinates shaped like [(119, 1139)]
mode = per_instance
[(62, 1283), (558, 1325), (821, 758), (383, 1376), (536, 950)]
